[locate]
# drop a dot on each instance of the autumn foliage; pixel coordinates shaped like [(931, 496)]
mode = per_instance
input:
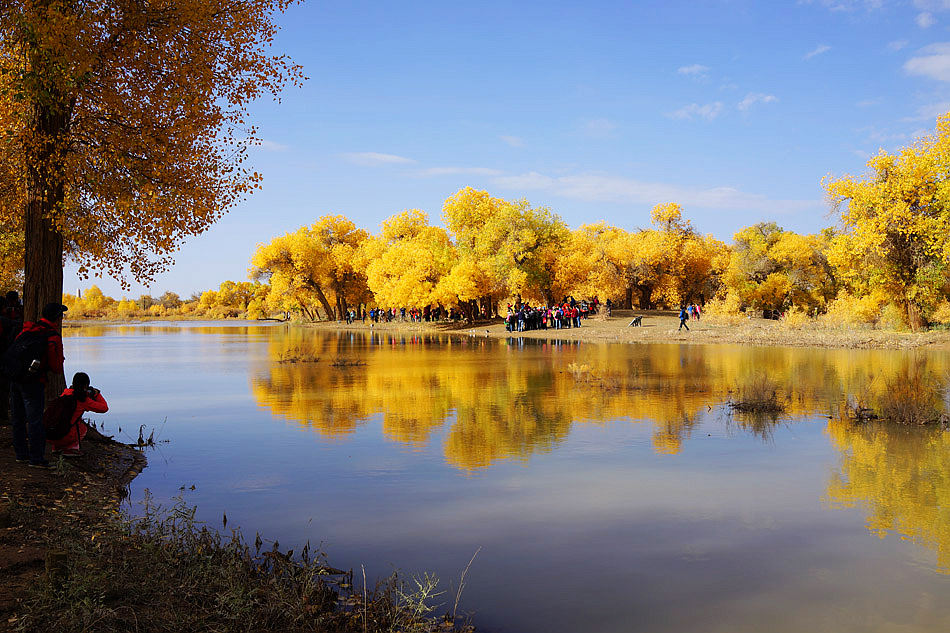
[(125, 126)]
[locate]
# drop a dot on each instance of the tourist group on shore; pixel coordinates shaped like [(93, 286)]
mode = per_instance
[(31, 355)]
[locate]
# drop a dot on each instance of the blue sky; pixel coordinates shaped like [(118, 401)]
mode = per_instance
[(599, 110)]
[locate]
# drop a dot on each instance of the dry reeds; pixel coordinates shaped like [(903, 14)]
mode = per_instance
[(914, 397), (757, 395)]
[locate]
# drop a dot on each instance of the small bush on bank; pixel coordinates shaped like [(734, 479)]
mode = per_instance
[(724, 310), (796, 319)]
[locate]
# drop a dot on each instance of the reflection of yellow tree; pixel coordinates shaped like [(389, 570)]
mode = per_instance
[(900, 477), (502, 401)]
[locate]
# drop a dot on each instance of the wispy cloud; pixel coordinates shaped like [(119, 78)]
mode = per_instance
[(867, 103), (264, 144), (932, 5), (514, 141), (818, 50), (847, 5), (376, 159), (929, 112), (932, 61), (897, 45), (607, 188), (598, 128), (458, 171), (695, 70), (753, 98), (708, 111), (925, 20)]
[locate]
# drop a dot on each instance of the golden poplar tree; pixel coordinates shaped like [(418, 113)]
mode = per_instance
[(896, 222), (125, 126)]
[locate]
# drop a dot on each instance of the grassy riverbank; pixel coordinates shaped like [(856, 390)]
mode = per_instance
[(663, 327), (71, 561)]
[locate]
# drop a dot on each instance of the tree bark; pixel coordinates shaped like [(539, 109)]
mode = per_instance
[(323, 301), (45, 197)]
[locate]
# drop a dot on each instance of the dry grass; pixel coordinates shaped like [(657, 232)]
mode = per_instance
[(759, 394), (167, 572), (297, 355), (914, 397), (347, 362)]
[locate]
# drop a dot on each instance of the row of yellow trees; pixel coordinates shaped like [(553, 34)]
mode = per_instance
[(490, 250), (887, 261), (232, 299)]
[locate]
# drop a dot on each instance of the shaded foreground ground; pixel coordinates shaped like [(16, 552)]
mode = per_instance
[(34, 502), (663, 327)]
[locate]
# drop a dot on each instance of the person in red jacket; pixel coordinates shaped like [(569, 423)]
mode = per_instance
[(28, 394), (87, 399)]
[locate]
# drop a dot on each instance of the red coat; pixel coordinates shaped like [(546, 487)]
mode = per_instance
[(54, 346), (78, 428)]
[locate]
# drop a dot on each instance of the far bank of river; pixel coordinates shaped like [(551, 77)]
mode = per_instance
[(663, 327)]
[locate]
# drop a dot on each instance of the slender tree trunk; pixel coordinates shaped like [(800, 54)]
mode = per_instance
[(323, 301)]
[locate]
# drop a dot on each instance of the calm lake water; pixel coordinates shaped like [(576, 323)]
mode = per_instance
[(608, 486)]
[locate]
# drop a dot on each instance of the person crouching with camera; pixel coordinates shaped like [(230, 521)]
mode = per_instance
[(87, 399)]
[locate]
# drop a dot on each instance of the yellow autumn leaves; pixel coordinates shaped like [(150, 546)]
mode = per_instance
[(491, 250)]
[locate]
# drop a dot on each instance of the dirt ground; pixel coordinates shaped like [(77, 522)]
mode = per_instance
[(663, 327), (31, 499)]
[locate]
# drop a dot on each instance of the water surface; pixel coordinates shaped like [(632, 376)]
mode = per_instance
[(607, 485)]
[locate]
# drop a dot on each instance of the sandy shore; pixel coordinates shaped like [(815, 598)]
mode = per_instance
[(663, 327)]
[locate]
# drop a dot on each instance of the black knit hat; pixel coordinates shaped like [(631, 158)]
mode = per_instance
[(53, 311)]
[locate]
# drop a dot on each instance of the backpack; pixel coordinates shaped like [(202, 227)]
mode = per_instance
[(58, 416), (29, 346)]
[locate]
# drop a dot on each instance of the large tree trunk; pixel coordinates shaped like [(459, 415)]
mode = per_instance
[(914, 319), (45, 198)]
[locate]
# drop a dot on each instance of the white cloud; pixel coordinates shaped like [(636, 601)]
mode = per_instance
[(847, 5), (755, 97), (932, 61), (820, 49), (930, 112), (695, 69), (606, 188), (264, 144), (932, 5), (599, 128), (375, 159), (514, 141), (458, 171), (897, 45), (692, 111), (925, 20)]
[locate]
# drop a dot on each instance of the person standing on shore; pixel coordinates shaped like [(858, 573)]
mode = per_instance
[(28, 391), (684, 317)]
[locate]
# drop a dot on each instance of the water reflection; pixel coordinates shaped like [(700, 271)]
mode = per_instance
[(513, 398), (900, 477)]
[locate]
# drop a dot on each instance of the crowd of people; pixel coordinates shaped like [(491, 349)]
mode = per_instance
[(567, 314), (31, 353)]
